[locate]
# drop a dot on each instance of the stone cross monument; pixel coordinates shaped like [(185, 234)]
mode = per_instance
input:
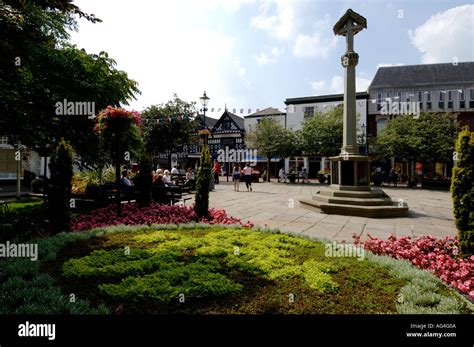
[(350, 192), (350, 170)]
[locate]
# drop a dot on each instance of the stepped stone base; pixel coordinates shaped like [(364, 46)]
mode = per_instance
[(372, 203)]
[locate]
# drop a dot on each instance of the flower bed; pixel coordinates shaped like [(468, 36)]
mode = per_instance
[(440, 256), (132, 214)]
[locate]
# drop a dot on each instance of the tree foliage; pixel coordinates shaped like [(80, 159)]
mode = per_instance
[(462, 191), (272, 140), (322, 133), (429, 137), (39, 68), (163, 131)]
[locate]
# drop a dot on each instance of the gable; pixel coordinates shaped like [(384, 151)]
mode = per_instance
[(226, 125)]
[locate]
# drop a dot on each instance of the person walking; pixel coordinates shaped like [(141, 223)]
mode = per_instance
[(248, 176), (236, 177), (217, 171)]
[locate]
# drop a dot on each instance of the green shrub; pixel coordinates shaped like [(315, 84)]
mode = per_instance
[(203, 178), (59, 190), (462, 191), (37, 185)]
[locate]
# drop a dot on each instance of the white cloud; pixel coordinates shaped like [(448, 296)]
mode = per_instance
[(269, 58), (446, 36), (313, 46), (336, 85), (281, 24), (165, 55)]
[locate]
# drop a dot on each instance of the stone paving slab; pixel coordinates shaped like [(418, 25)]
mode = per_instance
[(276, 206)]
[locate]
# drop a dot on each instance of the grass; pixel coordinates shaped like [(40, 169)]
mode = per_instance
[(206, 270)]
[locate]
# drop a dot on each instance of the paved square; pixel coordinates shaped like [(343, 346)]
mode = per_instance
[(276, 205)]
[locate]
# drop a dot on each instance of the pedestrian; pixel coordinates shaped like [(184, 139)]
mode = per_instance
[(304, 175), (248, 176), (236, 177), (217, 171), (281, 175)]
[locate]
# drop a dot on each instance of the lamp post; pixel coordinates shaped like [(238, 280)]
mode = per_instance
[(204, 131), (204, 101)]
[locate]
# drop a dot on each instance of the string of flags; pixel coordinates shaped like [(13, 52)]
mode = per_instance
[(168, 119)]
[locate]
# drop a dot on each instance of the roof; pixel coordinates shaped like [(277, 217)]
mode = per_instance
[(210, 122), (360, 22), (323, 98), (237, 119), (238, 125), (413, 75), (269, 111)]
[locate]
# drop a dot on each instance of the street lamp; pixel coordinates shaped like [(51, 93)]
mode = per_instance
[(204, 101)]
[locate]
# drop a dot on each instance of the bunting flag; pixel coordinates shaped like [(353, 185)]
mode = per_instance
[(168, 119)]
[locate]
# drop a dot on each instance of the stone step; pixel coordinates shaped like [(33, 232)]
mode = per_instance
[(374, 193), (372, 201), (383, 211)]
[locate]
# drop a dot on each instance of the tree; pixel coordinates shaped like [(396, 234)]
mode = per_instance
[(462, 191), (203, 178), (144, 180), (168, 127), (120, 137), (429, 137), (59, 188), (322, 134), (39, 69), (272, 140)]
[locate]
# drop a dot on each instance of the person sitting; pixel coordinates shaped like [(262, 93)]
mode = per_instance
[(190, 179), (159, 181), (167, 178), (174, 171), (125, 181)]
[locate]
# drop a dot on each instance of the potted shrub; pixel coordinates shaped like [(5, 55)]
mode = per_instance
[(322, 178)]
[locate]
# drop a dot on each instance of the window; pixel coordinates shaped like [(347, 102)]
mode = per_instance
[(381, 124), (399, 100), (450, 99), (308, 112), (441, 99), (471, 98), (462, 102), (420, 100), (379, 101), (408, 99), (428, 100)]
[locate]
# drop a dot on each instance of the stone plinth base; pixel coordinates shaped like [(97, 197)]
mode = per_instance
[(371, 203)]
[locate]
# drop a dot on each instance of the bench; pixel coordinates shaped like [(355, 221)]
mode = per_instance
[(171, 194)]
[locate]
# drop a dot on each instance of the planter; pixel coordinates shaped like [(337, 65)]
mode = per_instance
[(436, 184), (322, 179)]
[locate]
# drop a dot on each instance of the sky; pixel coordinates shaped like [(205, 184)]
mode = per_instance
[(253, 54)]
